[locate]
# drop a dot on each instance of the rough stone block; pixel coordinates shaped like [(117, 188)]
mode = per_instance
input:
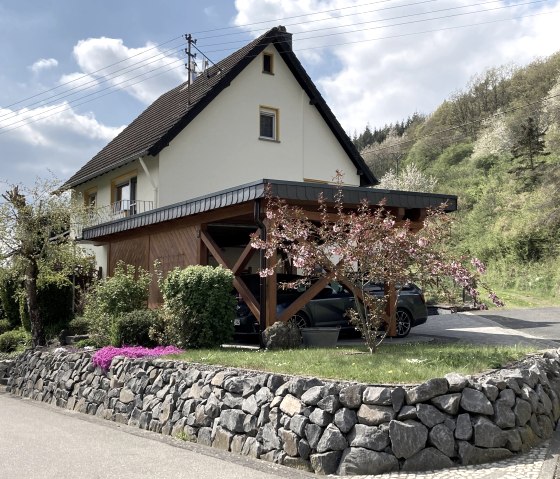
[(345, 419), (476, 402), (291, 405), (351, 396), (448, 403), (375, 415), (441, 437), (429, 415), (407, 438), (325, 463), (471, 455), (426, 391), (360, 461), (371, 437), (428, 459)]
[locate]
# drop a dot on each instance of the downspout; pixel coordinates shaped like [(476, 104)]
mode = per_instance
[(152, 182), (262, 265)]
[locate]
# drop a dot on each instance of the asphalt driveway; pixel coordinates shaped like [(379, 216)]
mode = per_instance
[(539, 327)]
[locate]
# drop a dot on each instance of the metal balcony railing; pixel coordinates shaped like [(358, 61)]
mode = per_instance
[(118, 210)]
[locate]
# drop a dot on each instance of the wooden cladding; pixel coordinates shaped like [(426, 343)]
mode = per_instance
[(171, 249)]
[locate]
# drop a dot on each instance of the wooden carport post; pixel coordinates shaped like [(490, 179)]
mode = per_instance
[(271, 292), (391, 308)]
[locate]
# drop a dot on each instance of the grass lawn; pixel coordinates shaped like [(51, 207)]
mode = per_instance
[(393, 364), (527, 299)]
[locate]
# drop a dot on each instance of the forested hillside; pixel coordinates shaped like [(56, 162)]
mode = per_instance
[(495, 144)]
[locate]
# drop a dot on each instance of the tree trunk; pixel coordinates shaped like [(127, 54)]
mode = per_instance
[(37, 331)]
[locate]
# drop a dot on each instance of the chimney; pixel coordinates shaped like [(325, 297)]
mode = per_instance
[(284, 36)]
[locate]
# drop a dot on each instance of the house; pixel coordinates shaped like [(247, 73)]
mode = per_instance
[(184, 183)]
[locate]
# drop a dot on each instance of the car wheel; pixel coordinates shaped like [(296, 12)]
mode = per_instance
[(299, 320), (404, 323)]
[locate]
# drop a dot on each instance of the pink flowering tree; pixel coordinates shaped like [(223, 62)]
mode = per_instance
[(363, 247)]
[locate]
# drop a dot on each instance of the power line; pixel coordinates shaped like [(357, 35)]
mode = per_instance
[(422, 20), (33, 118), (293, 16), (389, 37), (443, 17), (300, 49), (338, 17), (94, 82), (181, 36), (91, 73)]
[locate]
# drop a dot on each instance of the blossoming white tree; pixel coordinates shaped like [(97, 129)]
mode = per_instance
[(366, 246)]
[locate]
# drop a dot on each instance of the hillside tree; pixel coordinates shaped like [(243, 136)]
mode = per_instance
[(529, 145)]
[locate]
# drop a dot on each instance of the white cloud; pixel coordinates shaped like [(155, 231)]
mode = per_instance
[(43, 64), (144, 73), (78, 81), (58, 143), (54, 135), (367, 77)]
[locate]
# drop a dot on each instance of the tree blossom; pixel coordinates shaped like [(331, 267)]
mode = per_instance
[(366, 246)]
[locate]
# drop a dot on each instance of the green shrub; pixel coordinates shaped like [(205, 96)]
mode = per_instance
[(79, 325), (9, 302), (14, 340), (133, 328), (88, 342), (127, 290), (199, 307), (4, 326), (55, 306), (23, 312)]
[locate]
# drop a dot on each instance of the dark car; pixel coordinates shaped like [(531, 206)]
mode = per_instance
[(329, 307)]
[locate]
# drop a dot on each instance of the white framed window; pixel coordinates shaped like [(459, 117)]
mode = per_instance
[(268, 123)]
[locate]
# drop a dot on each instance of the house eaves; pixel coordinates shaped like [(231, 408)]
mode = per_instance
[(288, 190)]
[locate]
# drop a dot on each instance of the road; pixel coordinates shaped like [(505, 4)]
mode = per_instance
[(38, 441), (539, 327)]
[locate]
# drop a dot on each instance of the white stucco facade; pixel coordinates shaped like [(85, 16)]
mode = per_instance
[(221, 148)]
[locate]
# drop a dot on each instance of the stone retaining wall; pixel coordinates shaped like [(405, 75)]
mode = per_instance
[(5, 368), (306, 423)]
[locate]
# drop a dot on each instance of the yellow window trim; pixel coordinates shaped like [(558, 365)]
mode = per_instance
[(276, 113), (119, 180)]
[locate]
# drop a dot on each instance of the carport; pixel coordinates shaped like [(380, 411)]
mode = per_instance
[(215, 229)]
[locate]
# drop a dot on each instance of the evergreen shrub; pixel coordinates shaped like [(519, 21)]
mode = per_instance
[(127, 290), (9, 302), (4, 326), (13, 340), (133, 328), (78, 326), (199, 307)]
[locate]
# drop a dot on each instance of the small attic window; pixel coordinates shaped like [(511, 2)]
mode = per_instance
[(268, 63)]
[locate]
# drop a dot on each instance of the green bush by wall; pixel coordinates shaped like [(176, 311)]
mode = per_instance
[(199, 306)]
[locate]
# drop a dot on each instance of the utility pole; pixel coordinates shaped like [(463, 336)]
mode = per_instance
[(189, 65)]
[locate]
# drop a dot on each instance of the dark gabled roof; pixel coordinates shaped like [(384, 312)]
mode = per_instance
[(288, 190), (156, 126)]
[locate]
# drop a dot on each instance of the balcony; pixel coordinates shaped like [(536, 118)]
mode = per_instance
[(117, 210)]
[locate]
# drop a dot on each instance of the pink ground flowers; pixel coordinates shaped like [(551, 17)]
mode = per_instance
[(104, 356)]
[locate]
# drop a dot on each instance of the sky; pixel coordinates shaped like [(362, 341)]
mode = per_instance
[(73, 74)]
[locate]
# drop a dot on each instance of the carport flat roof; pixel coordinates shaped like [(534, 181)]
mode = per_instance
[(289, 190)]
